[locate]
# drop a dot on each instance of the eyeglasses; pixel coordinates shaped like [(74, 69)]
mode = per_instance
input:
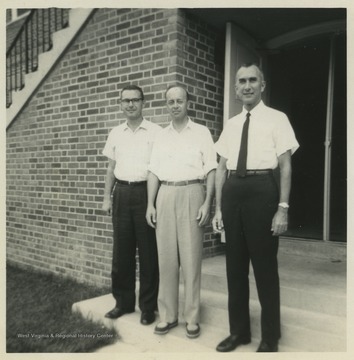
[(127, 101)]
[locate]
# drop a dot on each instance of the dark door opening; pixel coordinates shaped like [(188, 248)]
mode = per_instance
[(338, 224), (299, 82)]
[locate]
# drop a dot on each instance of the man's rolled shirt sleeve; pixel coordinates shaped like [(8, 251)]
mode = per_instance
[(109, 147), (221, 146), (155, 160), (209, 154), (284, 137)]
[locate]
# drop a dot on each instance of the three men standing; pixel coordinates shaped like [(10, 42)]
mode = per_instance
[(128, 149), (251, 209)]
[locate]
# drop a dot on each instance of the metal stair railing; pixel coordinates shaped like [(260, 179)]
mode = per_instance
[(33, 38)]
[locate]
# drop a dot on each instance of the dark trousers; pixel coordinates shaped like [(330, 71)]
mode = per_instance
[(131, 231), (248, 206)]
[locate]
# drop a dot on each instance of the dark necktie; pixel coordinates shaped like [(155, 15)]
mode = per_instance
[(242, 156)]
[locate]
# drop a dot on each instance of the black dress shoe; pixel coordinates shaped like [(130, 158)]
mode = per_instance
[(116, 312), (232, 342), (147, 317), (267, 347)]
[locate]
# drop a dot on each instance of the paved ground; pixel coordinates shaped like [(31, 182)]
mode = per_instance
[(313, 312)]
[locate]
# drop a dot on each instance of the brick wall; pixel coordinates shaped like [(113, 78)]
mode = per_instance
[(55, 170), (196, 68)]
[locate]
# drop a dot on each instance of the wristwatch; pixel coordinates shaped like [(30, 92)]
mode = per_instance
[(284, 205)]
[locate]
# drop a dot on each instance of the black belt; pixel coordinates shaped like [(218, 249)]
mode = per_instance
[(252, 172), (181, 183), (131, 183)]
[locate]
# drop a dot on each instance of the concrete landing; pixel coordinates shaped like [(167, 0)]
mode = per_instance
[(313, 311)]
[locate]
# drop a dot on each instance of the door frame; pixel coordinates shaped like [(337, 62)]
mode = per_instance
[(241, 47)]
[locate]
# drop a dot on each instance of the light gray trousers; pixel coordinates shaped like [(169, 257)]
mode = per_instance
[(180, 245)]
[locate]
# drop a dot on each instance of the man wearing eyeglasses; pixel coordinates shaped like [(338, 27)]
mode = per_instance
[(128, 149)]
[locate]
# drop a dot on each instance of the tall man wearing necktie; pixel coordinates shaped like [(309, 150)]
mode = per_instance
[(251, 209)]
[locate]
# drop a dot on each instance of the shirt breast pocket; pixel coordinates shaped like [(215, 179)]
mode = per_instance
[(146, 147), (191, 156), (263, 146)]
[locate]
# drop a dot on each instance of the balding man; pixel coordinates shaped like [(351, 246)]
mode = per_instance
[(182, 157)]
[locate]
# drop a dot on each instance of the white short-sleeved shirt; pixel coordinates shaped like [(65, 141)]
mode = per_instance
[(131, 150), (185, 155), (270, 135)]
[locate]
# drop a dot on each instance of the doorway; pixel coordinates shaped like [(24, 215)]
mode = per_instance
[(299, 87)]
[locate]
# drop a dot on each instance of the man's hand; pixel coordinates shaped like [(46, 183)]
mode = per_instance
[(107, 207), (218, 225), (151, 216), (203, 214), (280, 222)]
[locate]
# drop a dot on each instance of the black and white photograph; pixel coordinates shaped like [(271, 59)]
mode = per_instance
[(177, 179)]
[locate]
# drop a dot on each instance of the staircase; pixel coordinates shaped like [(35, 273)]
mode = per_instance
[(313, 298), (35, 51)]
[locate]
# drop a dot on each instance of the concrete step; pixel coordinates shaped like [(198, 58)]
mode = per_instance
[(312, 284), (330, 250), (136, 338), (301, 330), (214, 311), (313, 310)]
